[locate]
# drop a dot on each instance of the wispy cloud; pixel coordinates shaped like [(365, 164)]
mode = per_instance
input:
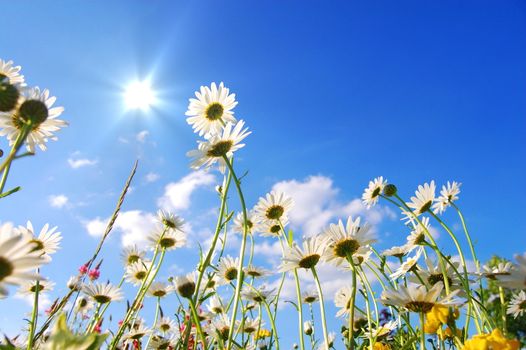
[(58, 201), (142, 135), (177, 194), (81, 162), (152, 177)]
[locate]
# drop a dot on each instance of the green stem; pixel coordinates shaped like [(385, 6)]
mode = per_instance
[(351, 304), (503, 310), (34, 317), (157, 308), (322, 308), (197, 323), (422, 333)]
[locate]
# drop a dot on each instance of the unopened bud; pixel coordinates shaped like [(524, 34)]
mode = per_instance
[(390, 190)]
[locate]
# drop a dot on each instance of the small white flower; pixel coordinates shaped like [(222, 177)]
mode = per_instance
[(103, 293), (417, 298), (372, 193), (166, 325), (253, 223), (48, 240), (305, 257), (10, 73), (407, 265), (132, 254), (516, 279), (167, 239), (448, 195), (399, 251), (423, 199), (160, 289), (227, 269), (30, 287), (185, 285), (274, 206), (136, 273), (215, 305), (517, 305)]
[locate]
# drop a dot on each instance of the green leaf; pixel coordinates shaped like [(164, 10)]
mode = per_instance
[(62, 338)]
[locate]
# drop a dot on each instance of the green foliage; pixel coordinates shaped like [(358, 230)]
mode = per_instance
[(63, 339)]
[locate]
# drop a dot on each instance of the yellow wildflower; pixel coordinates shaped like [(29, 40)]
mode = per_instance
[(263, 333), (493, 341), (381, 346)]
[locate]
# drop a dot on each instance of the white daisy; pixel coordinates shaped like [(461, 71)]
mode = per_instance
[(103, 293), (417, 236), (185, 285), (251, 325), (257, 294), (417, 298), (167, 239), (169, 220), (517, 276), (136, 333), (253, 223), (30, 287), (18, 260), (517, 305), (227, 269), (160, 289), (433, 275), (33, 111), (382, 330), (272, 228), (345, 241), (166, 325), (215, 305), (10, 73), (219, 328), (83, 305), (423, 199), (329, 343), (310, 296), (274, 206), (342, 300), (398, 251), (74, 283), (256, 272), (305, 257), (502, 268), (136, 273), (407, 265), (132, 254), (211, 110), (372, 193), (214, 150), (448, 195), (158, 342), (47, 241)]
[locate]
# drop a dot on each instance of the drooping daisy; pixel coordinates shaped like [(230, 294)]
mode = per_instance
[(255, 271), (257, 294), (253, 224), (137, 272), (345, 241), (211, 110), (274, 206), (273, 228), (83, 305), (103, 293), (408, 265), (132, 254), (10, 73), (517, 305), (372, 193), (185, 285), (160, 289), (33, 111), (215, 305), (310, 296), (170, 220), (47, 241), (448, 194), (214, 150), (31, 287), (167, 239), (383, 330), (227, 269), (18, 260), (417, 298), (423, 199), (166, 325), (517, 276), (74, 283), (398, 251), (305, 257)]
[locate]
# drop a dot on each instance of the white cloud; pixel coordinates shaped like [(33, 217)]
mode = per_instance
[(316, 205), (177, 194), (133, 226), (58, 201), (123, 140), (152, 177), (142, 135), (81, 162), (44, 301)]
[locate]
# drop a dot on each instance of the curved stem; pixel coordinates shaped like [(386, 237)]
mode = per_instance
[(157, 308), (34, 317), (322, 308)]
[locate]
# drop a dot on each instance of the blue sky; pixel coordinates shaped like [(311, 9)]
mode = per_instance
[(335, 94)]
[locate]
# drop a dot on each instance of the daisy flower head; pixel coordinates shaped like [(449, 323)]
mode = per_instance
[(158, 342), (185, 285), (448, 194), (372, 193), (258, 294), (136, 333), (215, 305), (253, 223), (423, 199), (74, 283), (219, 328), (433, 275), (342, 300), (218, 147), (170, 220), (307, 256), (211, 109), (344, 241), (517, 305), (167, 239), (18, 260), (48, 240), (399, 251), (136, 273), (256, 272), (417, 237), (10, 74), (251, 325), (31, 287), (11, 81), (408, 265), (502, 268), (227, 269), (166, 325), (103, 293), (132, 254), (274, 206), (383, 330), (310, 296), (417, 298), (33, 116), (273, 228), (516, 279), (160, 289), (83, 305)]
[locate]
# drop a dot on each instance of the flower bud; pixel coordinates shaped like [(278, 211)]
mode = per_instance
[(390, 190), (307, 327), (9, 95), (34, 111)]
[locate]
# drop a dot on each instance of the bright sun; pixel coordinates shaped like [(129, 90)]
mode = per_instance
[(139, 95)]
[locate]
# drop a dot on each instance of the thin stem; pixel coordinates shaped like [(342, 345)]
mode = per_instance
[(197, 323), (322, 308), (34, 317), (422, 333), (352, 302), (157, 308)]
